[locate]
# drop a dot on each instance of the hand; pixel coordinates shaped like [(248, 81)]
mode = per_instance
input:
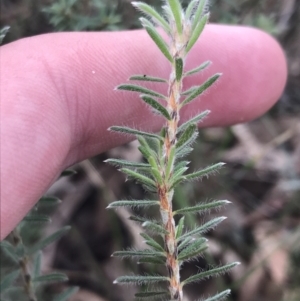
[(57, 98)]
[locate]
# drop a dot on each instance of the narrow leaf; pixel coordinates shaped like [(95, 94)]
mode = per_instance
[(48, 240), (49, 201), (37, 264), (210, 273), (193, 120), (159, 41), (138, 177), (50, 278), (177, 13), (193, 249), (205, 171), (139, 253), (3, 32), (184, 243), (68, 172), (66, 294), (151, 242), (139, 89), (186, 136), (199, 12), (196, 33), (190, 9), (130, 131), (219, 297), (153, 14), (183, 152), (179, 227), (200, 208), (140, 280), (152, 260), (179, 69), (204, 228), (121, 163), (153, 294), (198, 69), (8, 280), (132, 203), (156, 106), (148, 78), (170, 163), (156, 228), (201, 89), (36, 218)]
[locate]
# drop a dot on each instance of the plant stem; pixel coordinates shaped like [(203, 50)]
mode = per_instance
[(164, 192), (24, 267)]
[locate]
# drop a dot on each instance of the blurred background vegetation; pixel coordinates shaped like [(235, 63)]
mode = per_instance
[(262, 177)]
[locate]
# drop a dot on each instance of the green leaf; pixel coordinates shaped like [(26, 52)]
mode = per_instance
[(48, 240), (66, 294), (179, 227), (198, 91), (139, 89), (190, 9), (36, 218), (139, 253), (37, 264), (193, 249), (159, 41), (170, 163), (153, 14), (177, 13), (184, 243), (9, 250), (152, 294), (148, 78), (193, 120), (199, 13), (49, 201), (183, 152), (198, 69), (179, 68), (3, 32), (138, 177), (130, 131), (155, 228), (132, 203), (8, 280), (196, 33), (140, 280), (219, 297), (156, 106), (68, 172), (121, 163), (152, 243), (50, 278), (138, 218), (204, 228), (202, 207), (185, 137), (205, 172), (210, 273)]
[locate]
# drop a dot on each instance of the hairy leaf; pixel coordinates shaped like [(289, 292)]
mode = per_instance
[(219, 297), (140, 280), (179, 69), (130, 131), (159, 41), (198, 69), (201, 89), (153, 14), (152, 294), (138, 177), (121, 163), (191, 9), (177, 13), (151, 242), (204, 228), (50, 278), (132, 203), (196, 33), (186, 136), (139, 89), (155, 228), (148, 78), (68, 172), (36, 218), (156, 106), (205, 172), (199, 13), (210, 273), (193, 249), (193, 120), (179, 227), (202, 207), (49, 201), (139, 253)]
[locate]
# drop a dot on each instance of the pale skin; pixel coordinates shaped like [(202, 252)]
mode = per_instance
[(57, 98)]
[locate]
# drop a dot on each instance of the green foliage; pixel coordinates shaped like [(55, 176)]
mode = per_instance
[(25, 279), (3, 32), (164, 167)]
